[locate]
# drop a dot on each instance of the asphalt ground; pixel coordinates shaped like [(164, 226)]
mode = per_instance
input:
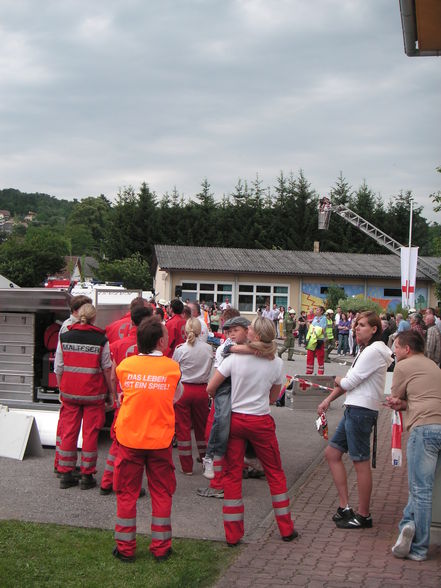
[(29, 490)]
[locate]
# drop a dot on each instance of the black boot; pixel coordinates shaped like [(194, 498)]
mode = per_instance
[(87, 481), (68, 480)]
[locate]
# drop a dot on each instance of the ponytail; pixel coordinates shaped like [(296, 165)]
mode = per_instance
[(193, 330)]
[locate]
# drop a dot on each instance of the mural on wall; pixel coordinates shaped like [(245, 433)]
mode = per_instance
[(376, 293), (315, 295)]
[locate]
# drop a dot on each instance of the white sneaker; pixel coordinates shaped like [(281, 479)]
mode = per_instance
[(208, 469), (416, 557), (402, 546)]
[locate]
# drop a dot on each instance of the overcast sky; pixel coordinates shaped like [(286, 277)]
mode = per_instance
[(97, 95)]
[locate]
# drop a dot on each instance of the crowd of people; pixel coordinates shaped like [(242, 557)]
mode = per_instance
[(154, 367)]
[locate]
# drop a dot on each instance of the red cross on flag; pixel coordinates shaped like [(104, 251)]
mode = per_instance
[(409, 260)]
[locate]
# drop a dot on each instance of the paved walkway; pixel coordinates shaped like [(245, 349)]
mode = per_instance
[(326, 557)]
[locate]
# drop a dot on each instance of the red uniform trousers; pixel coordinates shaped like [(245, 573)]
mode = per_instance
[(191, 409), (319, 353), (218, 462), (129, 467), (58, 439), (261, 431), (107, 479), (93, 418)]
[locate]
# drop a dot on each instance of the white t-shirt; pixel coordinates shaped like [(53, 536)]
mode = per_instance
[(195, 361), (251, 380), (219, 358)]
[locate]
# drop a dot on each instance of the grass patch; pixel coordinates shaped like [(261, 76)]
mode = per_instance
[(34, 554)]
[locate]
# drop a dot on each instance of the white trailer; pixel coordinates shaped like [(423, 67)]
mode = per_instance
[(26, 365)]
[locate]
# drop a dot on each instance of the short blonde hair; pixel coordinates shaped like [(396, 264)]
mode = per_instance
[(86, 314), (193, 329)]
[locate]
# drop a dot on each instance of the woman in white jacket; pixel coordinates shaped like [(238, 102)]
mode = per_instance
[(364, 388)]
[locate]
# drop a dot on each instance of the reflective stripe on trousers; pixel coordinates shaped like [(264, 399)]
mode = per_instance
[(125, 535), (107, 479), (184, 447), (161, 528), (129, 468), (260, 431), (88, 459), (67, 459)]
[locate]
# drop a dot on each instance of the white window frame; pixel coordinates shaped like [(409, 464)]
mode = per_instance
[(201, 294), (253, 292)]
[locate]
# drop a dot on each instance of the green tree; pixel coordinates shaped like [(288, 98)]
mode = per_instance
[(30, 260), (339, 235), (203, 216), (397, 222), (132, 271), (81, 241), (365, 203), (436, 196), (334, 296), (304, 213), (133, 223), (360, 304), (88, 225)]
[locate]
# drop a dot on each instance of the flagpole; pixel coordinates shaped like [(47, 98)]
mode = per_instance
[(410, 254)]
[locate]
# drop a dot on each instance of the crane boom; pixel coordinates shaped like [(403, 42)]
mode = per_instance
[(372, 231)]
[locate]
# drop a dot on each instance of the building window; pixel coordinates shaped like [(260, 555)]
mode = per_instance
[(206, 292), (392, 293), (255, 296)]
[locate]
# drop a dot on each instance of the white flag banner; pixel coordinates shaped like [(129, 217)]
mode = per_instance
[(408, 276)]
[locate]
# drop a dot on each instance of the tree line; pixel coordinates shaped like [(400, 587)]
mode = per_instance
[(251, 216)]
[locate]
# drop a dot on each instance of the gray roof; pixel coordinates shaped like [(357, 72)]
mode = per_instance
[(90, 265), (276, 262)]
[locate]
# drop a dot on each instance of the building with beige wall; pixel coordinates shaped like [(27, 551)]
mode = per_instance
[(250, 278)]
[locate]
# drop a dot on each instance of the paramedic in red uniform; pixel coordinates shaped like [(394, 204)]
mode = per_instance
[(121, 328), (195, 359), (82, 366), (119, 350), (76, 302), (175, 326), (145, 426), (255, 384)]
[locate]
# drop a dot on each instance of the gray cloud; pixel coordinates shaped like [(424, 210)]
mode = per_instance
[(94, 96)]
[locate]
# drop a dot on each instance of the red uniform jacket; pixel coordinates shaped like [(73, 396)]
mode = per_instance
[(83, 379), (176, 333), (119, 329)]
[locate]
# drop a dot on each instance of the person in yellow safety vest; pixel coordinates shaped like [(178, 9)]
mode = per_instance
[(313, 335), (315, 342), (329, 343)]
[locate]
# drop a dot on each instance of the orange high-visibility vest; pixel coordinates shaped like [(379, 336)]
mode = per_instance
[(146, 419)]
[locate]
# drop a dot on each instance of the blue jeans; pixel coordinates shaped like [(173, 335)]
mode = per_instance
[(353, 432), (343, 343), (220, 430), (423, 455)]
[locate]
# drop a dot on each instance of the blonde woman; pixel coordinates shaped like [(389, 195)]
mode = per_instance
[(82, 367), (255, 384), (195, 358)]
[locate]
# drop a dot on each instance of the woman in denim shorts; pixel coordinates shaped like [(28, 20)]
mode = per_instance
[(364, 389)]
